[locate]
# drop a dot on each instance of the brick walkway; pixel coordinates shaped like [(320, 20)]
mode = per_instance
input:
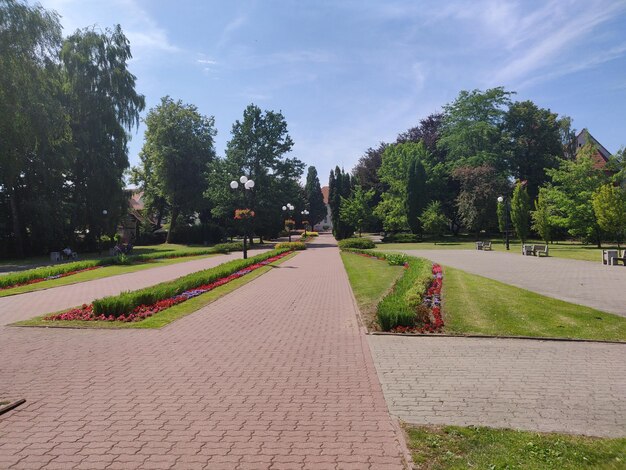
[(579, 282), (275, 375), (527, 384), (24, 306)]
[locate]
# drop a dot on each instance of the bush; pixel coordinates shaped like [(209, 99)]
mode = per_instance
[(401, 306), (400, 238), (127, 301), (363, 243), (396, 259), (291, 246)]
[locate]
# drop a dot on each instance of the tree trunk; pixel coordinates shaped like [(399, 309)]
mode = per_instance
[(172, 224), (17, 226)]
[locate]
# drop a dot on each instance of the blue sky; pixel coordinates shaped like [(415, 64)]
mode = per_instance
[(348, 74)]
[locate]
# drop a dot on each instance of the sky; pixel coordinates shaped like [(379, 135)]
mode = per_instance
[(348, 74)]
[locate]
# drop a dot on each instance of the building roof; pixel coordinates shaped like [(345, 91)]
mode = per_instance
[(325, 193)]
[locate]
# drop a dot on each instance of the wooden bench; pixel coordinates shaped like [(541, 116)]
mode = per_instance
[(487, 246), (479, 245), (527, 250), (608, 255), (540, 250), (616, 260)]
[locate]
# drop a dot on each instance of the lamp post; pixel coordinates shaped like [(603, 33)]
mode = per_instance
[(507, 217), (304, 214), (246, 185), (287, 208)]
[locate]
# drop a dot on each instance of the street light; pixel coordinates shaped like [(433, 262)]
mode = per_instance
[(246, 184), (287, 208), (304, 214), (507, 208)]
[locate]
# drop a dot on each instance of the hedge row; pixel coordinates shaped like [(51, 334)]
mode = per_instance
[(363, 243), (401, 306), (41, 273), (401, 238), (127, 301), (291, 245)]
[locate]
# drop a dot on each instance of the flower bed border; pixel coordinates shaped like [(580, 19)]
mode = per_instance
[(141, 312), (433, 323)]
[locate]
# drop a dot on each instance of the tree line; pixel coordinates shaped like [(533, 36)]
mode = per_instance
[(446, 174), (67, 106)]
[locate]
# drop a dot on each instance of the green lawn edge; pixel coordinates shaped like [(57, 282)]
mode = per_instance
[(474, 304), (100, 273), (457, 447), (163, 318)]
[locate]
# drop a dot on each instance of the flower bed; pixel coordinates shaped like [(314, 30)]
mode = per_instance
[(33, 276), (49, 278), (141, 312), (414, 304)]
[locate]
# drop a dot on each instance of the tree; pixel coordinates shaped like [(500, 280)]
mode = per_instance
[(542, 216), (103, 106), (257, 148), (501, 215), (32, 120), (609, 206), (177, 150), (534, 143), (416, 195), (314, 197), (434, 221), (520, 211), (472, 128), (355, 210), (340, 186), (480, 187), (571, 190), (394, 174)]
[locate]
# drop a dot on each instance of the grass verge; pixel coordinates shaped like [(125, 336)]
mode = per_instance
[(476, 305), (100, 273), (371, 280), (164, 317), (453, 447), (568, 250)]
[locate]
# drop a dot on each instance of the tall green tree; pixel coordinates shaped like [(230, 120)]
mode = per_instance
[(434, 221), (472, 128), (32, 120), (480, 188), (314, 197), (340, 186), (104, 107), (355, 210), (571, 191), (416, 195), (542, 216), (520, 211), (609, 206), (258, 147), (534, 143), (178, 147)]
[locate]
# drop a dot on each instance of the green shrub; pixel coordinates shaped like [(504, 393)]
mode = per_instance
[(399, 307), (291, 246), (396, 259), (363, 243), (126, 302), (400, 238)]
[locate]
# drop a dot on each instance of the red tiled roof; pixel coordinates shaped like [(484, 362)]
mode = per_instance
[(325, 193)]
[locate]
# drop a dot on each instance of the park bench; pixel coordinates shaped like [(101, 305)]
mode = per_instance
[(615, 260), (540, 250), (487, 246), (608, 255), (527, 250), (479, 245)]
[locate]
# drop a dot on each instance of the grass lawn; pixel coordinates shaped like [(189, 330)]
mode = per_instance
[(571, 250), (474, 304), (163, 317), (105, 271), (453, 447), (370, 280)]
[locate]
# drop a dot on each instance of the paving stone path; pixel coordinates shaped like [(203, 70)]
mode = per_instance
[(277, 374), (570, 387), (580, 282), (24, 306)]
